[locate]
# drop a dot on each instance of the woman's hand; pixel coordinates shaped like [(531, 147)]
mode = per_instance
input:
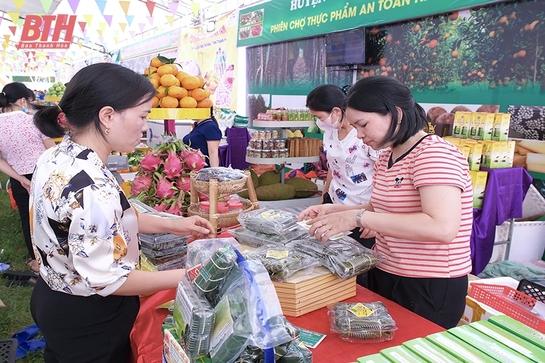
[(195, 226), (327, 225), (315, 211), (25, 183)]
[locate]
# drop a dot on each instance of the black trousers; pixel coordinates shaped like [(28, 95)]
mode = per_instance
[(80, 329), (440, 300), (361, 279), (21, 197)]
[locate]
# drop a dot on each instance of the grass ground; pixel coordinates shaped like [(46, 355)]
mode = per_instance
[(16, 315)]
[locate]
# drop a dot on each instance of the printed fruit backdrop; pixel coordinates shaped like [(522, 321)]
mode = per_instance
[(176, 88)]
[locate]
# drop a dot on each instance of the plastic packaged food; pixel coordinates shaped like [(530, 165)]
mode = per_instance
[(161, 241), (344, 257), (271, 221), (220, 173), (361, 321), (256, 239)]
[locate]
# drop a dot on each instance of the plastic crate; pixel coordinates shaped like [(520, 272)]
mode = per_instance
[(532, 289), (509, 301), (8, 350)]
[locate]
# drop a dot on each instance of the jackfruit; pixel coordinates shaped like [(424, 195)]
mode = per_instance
[(304, 188), (275, 192), (255, 181), (269, 177)]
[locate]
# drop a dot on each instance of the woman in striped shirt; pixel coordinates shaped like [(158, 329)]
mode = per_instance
[(421, 205)]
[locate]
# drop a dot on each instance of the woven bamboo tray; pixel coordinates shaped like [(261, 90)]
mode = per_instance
[(228, 187), (224, 219)]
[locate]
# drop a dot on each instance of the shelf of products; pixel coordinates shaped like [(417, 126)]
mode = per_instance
[(304, 159), (282, 124)]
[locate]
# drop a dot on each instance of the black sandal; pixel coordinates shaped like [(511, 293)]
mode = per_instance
[(19, 275), (30, 282)]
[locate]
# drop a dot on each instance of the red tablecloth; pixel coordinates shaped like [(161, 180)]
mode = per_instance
[(147, 338)]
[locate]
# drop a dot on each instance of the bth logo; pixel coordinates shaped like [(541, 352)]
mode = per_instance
[(45, 31)]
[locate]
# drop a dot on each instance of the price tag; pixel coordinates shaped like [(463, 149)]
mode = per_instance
[(311, 338)]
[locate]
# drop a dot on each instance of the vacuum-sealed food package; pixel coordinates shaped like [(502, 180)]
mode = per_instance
[(270, 221)]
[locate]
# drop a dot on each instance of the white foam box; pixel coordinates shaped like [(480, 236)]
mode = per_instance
[(430, 352), (302, 293), (459, 348), (172, 350), (528, 241), (401, 354)]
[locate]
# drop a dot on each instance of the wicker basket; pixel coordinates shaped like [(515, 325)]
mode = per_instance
[(224, 219), (229, 187)]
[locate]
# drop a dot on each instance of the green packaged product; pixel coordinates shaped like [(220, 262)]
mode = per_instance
[(361, 322), (270, 221), (214, 270)]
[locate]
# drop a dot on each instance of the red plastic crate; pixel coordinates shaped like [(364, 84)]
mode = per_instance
[(509, 301)]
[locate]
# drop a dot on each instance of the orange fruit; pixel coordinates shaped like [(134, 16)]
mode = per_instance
[(169, 102), (150, 70), (198, 94), (190, 83), (432, 44), (155, 102), (165, 69), (154, 82), (201, 81), (155, 76), (174, 69), (188, 102), (205, 103), (161, 91), (522, 53), (168, 80), (155, 62), (177, 92), (181, 75), (206, 92)]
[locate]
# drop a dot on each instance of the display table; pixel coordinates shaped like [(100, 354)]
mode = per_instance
[(147, 337)]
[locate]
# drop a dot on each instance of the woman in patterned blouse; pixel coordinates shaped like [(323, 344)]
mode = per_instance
[(84, 230)]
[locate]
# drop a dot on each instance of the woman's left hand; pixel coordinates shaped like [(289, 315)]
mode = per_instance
[(326, 226), (195, 226)]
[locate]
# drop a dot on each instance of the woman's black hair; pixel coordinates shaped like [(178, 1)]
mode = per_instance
[(382, 95), (92, 88), (12, 92), (325, 98)]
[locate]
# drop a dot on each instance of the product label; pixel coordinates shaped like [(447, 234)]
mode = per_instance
[(361, 310), (311, 339), (279, 255)]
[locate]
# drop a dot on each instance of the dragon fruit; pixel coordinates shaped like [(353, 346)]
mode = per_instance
[(162, 180)]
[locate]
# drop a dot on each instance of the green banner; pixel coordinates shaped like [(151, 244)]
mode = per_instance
[(281, 20)]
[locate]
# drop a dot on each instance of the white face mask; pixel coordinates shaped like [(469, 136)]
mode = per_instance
[(327, 125)]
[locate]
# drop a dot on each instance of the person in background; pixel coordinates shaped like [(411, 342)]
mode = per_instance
[(21, 145), (421, 204), (84, 230), (206, 136), (350, 162)]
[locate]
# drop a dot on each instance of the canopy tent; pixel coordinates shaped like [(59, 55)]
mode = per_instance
[(101, 27)]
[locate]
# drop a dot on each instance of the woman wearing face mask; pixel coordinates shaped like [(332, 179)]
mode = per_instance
[(21, 145), (350, 161)]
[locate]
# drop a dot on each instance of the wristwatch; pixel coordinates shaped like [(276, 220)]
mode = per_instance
[(358, 217)]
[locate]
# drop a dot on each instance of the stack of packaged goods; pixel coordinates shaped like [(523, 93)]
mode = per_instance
[(165, 251)]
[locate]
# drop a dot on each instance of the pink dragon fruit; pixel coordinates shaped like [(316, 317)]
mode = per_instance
[(165, 188), (174, 209), (184, 184), (173, 165), (160, 207), (193, 159), (141, 183), (151, 161)]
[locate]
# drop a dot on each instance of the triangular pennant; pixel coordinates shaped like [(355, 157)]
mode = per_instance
[(19, 4), (195, 7), (150, 20), (14, 16), (101, 39), (170, 19), (88, 18), (123, 26), (173, 6), (108, 19), (101, 5), (21, 22), (129, 18), (132, 33), (142, 26), (73, 5), (100, 32), (102, 25), (125, 6), (82, 25), (13, 29), (150, 5), (6, 37)]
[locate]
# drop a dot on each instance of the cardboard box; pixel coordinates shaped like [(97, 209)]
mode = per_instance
[(373, 358), (401, 354), (430, 352), (482, 125), (510, 340), (459, 349), (523, 331), (172, 350), (462, 124), (475, 153), (501, 126), (498, 154), (303, 293), (488, 345), (478, 182)]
